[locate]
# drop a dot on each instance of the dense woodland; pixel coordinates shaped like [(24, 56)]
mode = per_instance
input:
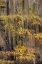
[(21, 25)]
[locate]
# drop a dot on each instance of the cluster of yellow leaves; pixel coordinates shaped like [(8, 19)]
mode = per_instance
[(24, 31), (33, 16), (17, 15), (5, 61), (28, 56), (20, 49), (9, 25), (28, 32), (6, 25), (38, 35), (12, 28), (5, 17), (19, 23), (11, 16), (20, 30), (35, 19), (36, 22)]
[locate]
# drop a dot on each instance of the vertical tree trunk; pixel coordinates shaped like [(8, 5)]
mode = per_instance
[(14, 43), (37, 28), (22, 21), (9, 35), (8, 7)]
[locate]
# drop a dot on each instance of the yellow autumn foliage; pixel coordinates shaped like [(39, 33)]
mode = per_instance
[(20, 30), (20, 49), (38, 35), (28, 56), (33, 16), (36, 22)]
